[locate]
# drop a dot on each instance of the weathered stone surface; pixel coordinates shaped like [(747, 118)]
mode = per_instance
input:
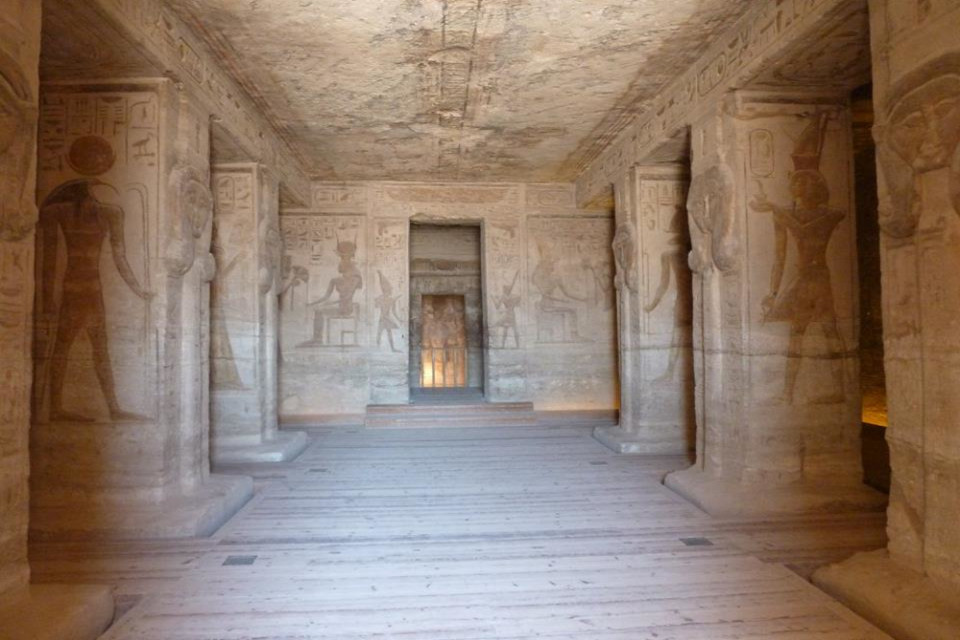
[(917, 87), (775, 311), (655, 319), (548, 289), (244, 313), (19, 51), (122, 322), (456, 90)]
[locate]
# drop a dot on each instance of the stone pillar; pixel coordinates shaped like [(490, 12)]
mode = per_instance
[(26, 611), (654, 299), (912, 588), (243, 319), (120, 439), (775, 309)]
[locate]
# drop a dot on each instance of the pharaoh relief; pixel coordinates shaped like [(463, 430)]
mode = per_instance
[(803, 228)]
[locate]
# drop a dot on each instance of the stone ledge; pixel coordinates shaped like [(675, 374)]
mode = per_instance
[(905, 604), (196, 515), (727, 498), (283, 448), (622, 441), (56, 612)]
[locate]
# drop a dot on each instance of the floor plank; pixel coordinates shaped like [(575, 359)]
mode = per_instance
[(468, 534)]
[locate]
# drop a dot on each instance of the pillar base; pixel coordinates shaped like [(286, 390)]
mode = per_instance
[(905, 604), (647, 441), (56, 612), (283, 448), (727, 498), (198, 514)]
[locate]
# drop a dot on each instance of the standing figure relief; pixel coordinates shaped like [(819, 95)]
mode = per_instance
[(17, 118), (386, 304), (808, 297), (507, 303), (673, 266), (84, 222)]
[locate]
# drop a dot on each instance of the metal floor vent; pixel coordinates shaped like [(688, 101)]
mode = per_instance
[(234, 561), (696, 542)]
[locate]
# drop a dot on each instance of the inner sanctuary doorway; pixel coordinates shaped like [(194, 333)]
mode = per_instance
[(446, 313)]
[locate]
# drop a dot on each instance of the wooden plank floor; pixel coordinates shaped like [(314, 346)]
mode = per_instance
[(456, 534)]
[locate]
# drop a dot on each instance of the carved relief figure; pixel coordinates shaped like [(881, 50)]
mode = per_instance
[(386, 304), (555, 298), (624, 254), (346, 286), (673, 266), (85, 221), (225, 374), (17, 115), (710, 210), (508, 303), (292, 276), (922, 137), (808, 298)]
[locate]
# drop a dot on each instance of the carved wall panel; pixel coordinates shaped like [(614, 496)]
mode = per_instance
[(99, 193), (19, 57)]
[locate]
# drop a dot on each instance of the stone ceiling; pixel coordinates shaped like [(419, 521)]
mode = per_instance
[(454, 89)]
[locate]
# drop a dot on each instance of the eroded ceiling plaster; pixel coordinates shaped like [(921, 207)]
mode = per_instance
[(454, 89)]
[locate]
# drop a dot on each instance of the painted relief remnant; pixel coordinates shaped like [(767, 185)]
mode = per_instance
[(335, 321), (386, 304), (224, 374), (76, 210), (507, 303), (808, 298), (673, 267), (624, 253), (556, 304)]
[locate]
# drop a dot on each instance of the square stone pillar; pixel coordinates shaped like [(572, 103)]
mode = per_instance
[(775, 309), (120, 439), (243, 319), (654, 299), (26, 611), (912, 588)]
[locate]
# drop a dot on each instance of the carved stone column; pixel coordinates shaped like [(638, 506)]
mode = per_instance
[(913, 587), (26, 611), (775, 321), (121, 333), (243, 319), (653, 314)]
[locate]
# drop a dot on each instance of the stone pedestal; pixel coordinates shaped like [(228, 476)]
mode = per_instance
[(654, 299), (775, 309), (913, 589), (56, 612), (243, 319), (120, 441)]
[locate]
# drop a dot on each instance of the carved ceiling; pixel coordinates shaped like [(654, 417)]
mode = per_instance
[(454, 89)]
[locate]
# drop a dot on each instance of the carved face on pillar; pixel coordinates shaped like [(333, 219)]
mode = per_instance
[(708, 205), (192, 220), (921, 136), (624, 253), (17, 209)]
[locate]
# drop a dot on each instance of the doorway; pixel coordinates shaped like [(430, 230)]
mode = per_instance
[(446, 313)]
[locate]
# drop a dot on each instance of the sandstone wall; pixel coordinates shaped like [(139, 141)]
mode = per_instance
[(548, 303), (19, 55)]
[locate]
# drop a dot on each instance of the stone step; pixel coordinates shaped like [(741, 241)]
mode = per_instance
[(493, 414)]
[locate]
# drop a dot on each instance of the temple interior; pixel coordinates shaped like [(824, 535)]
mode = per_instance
[(479, 319)]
